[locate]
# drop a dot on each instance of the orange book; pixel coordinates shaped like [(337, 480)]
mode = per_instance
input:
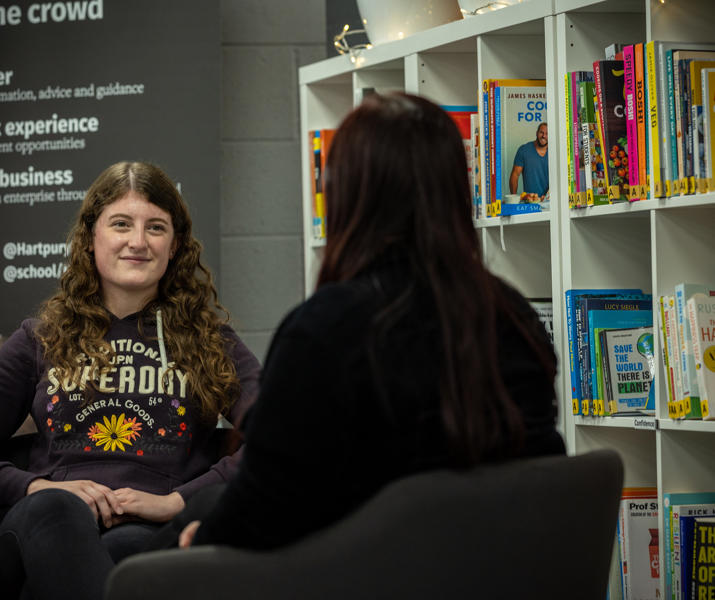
[(641, 121)]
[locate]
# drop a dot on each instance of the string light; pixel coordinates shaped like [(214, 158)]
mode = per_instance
[(343, 47), (491, 6)]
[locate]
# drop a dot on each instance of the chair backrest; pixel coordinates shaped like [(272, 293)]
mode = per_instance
[(535, 528)]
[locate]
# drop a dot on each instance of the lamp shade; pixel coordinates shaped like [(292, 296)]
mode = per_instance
[(388, 20)]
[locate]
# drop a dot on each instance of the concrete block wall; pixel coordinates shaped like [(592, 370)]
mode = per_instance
[(263, 44)]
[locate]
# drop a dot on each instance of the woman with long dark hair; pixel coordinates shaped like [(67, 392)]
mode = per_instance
[(409, 356)]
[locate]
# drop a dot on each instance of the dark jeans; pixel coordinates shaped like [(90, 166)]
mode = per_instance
[(52, 547)]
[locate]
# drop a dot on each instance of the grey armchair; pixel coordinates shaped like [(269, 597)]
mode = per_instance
[(536, 528)]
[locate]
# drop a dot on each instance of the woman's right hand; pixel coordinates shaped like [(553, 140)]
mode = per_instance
[(100, 499)]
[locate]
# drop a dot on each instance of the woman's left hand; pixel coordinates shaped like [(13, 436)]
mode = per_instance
[(186, 537), (151, 507)]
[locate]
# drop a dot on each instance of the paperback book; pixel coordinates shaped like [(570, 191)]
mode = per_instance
[(639, 543), (613, 120), (629, 369), (701, 316), (599, 320)]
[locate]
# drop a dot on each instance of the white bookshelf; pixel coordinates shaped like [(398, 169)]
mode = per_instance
[(652, 244)]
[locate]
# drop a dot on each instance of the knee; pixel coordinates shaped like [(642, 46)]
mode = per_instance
[(58, 505)]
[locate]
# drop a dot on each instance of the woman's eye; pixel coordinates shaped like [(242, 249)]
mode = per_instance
[(120, 224), (157, 228)]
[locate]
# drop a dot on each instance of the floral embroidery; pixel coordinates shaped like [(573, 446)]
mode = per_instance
[(87, 448), (140, 452), (49, 422), (162, 432), (50, 407), (182, 426), (134, 428), (67, 426), (55, 399), (175, 403), (181, 410), (113, 434)]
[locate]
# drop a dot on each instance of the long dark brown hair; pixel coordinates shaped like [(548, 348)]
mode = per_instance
[(74, 321), (396, 177)]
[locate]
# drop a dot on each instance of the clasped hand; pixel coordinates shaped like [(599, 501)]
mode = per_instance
[(117, 506)]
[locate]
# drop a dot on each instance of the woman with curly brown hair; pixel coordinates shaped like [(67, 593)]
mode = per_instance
[(128, 373)]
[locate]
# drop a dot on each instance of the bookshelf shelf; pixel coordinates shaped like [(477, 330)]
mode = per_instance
[(651, 244), (639, 422)]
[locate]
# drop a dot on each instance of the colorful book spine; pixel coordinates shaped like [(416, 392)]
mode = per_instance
[(654, 123), (675, 181), (671, 499), (614, 127), (698, 119), (587, 121), (702, 576), (599, 130), (492, 151), (708, 83), (569, 143), (630, 165), (663, 117), (486, 197), (701, 317), (640, 97), (477, 208), (687, 123), (575, 130), (677, 410), (498, 184), (318, 224), (571, 297)]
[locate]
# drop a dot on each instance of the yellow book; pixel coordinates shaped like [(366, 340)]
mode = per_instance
[(569, 144), (657, 175)]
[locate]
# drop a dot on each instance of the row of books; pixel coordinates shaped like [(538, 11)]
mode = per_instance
[(611, 352), (513, 110), (686, 326), (466, 118), (319, 143), (689, 545), (653, 99)]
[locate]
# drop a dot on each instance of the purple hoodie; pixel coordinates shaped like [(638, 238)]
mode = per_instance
[(134, 431)]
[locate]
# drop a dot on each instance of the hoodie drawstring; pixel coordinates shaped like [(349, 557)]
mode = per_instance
[(160, 335)]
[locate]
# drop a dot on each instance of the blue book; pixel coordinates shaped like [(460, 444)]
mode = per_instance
[(688, 514), (671, 499), (587, 303), (521, 208), (613, 319), (574, 365)]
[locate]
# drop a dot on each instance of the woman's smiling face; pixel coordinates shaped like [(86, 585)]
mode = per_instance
[(133, 241)]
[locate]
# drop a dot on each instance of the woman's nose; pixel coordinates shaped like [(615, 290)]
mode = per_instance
[(138, 238)]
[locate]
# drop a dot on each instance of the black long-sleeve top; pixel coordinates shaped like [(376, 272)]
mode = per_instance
[(322, 438)]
